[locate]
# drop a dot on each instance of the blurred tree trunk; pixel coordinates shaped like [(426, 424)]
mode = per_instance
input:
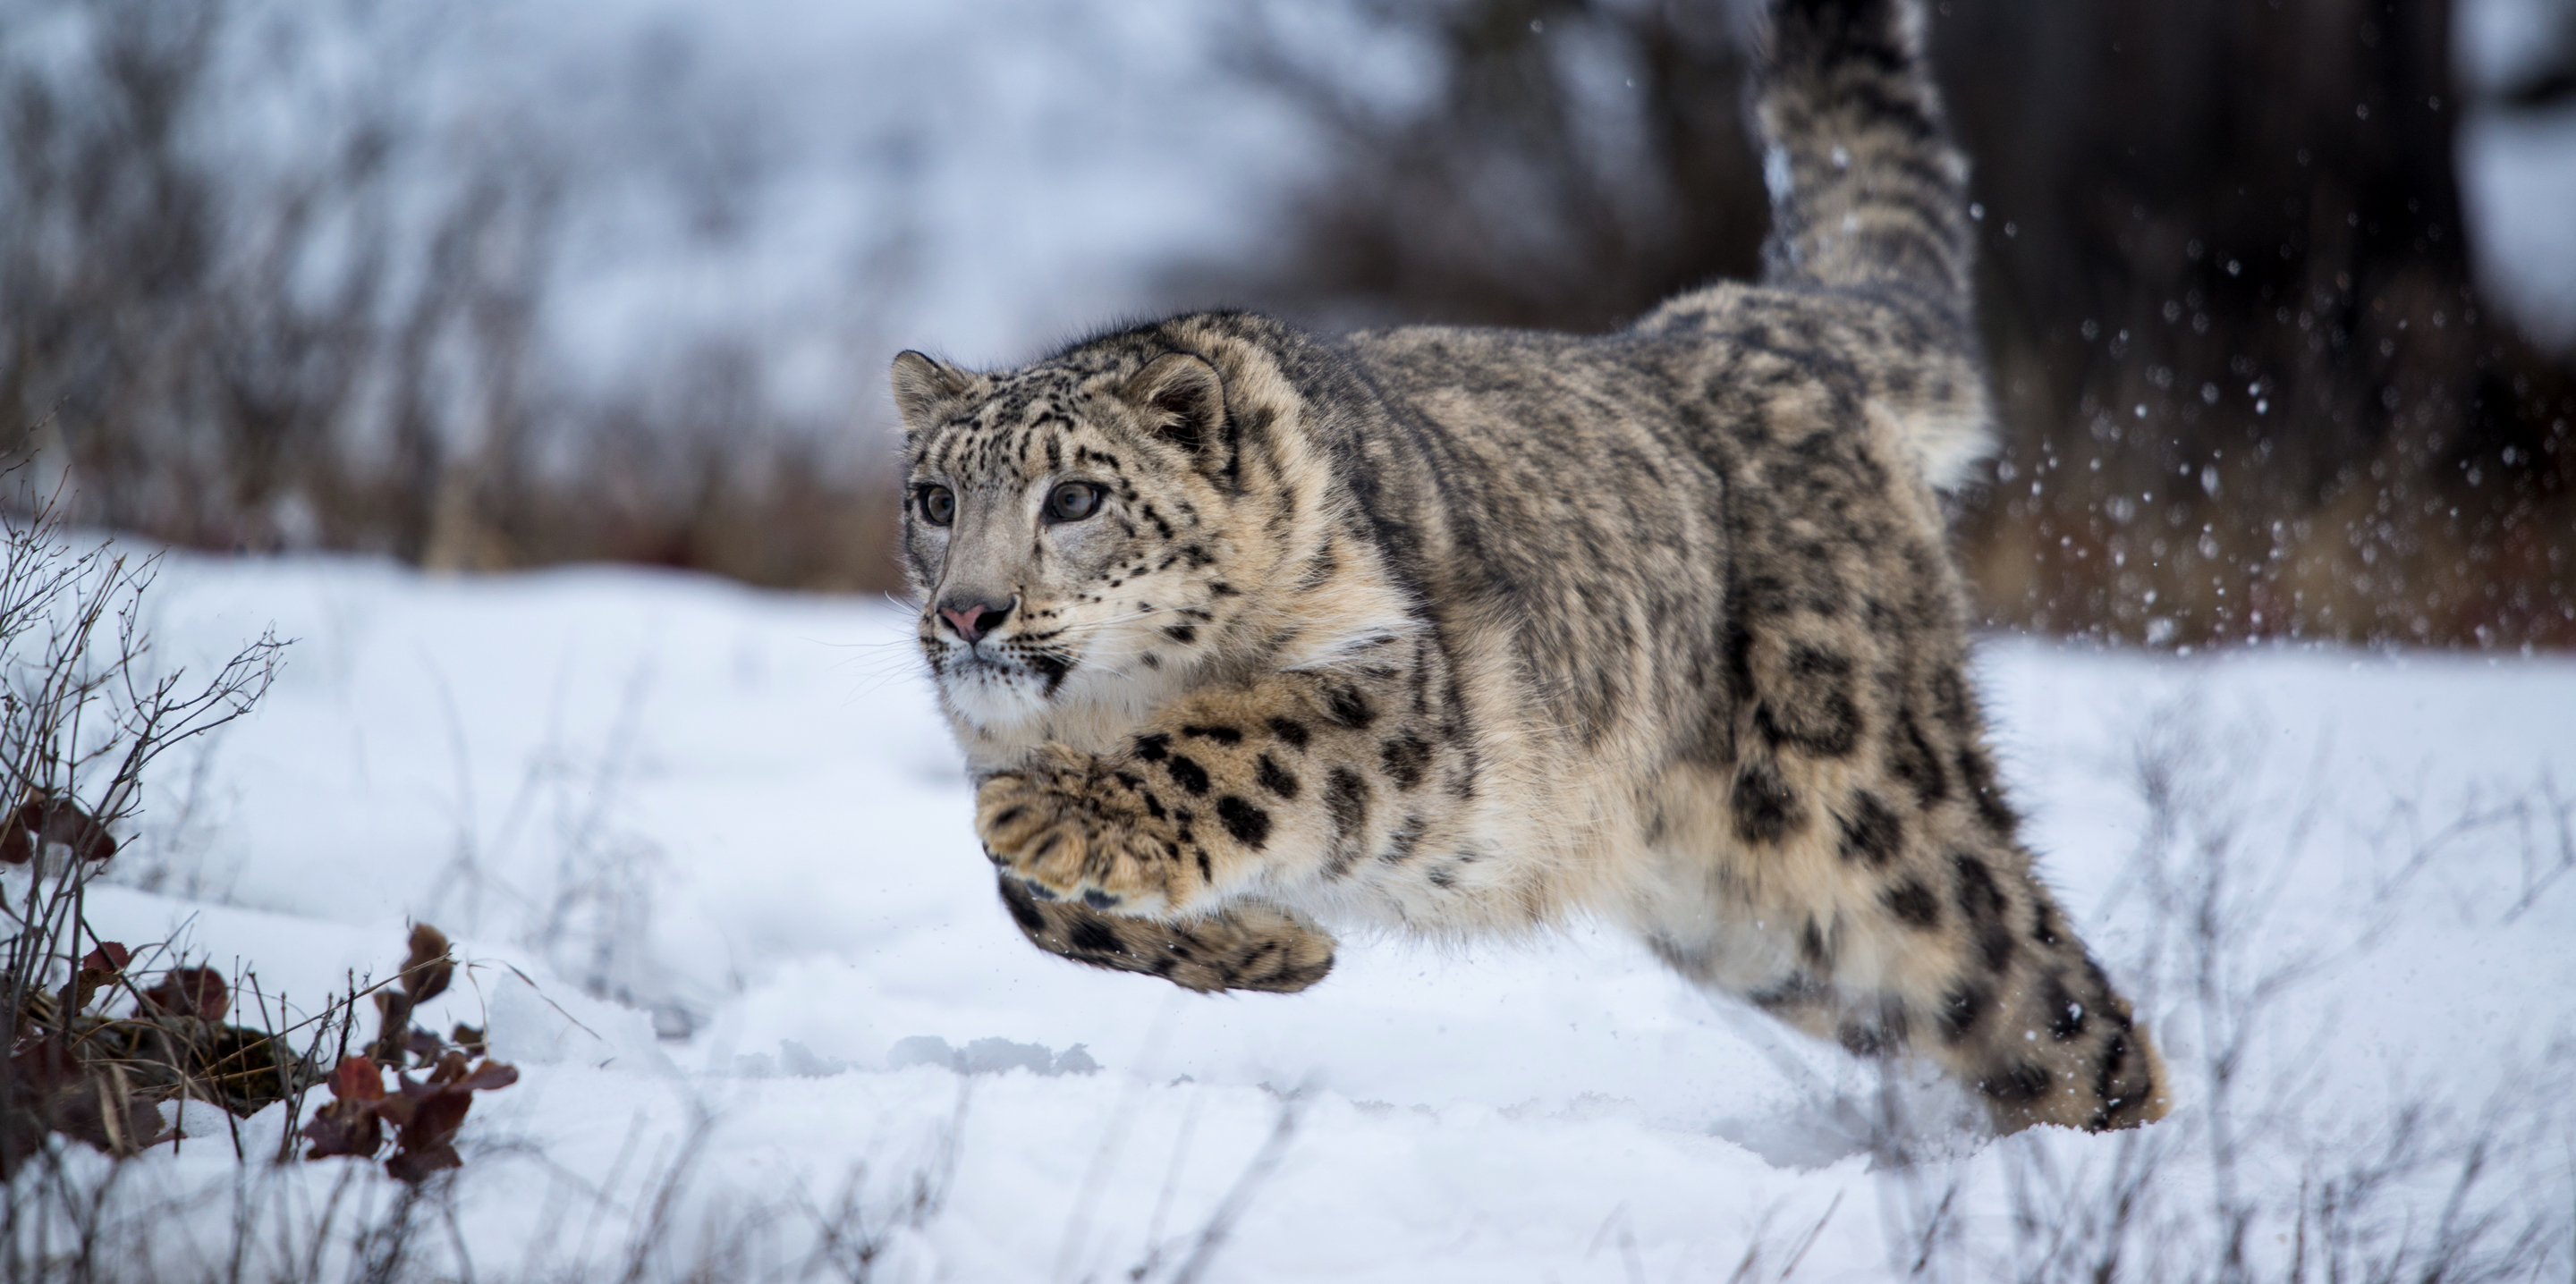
[(2227, 280)]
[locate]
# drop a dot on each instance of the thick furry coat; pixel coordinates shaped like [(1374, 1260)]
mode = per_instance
[(1245, 631)]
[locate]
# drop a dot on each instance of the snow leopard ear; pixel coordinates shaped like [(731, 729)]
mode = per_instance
[(921, 383), (1180, 399)]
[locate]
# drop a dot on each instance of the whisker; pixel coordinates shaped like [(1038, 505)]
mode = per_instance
[(1094, 625)]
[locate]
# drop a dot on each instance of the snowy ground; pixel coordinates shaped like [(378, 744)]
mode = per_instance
[(739, 811)]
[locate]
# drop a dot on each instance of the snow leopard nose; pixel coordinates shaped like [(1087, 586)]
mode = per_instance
[(972, 617)]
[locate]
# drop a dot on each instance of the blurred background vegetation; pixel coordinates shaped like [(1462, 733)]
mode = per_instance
[(272, 280)]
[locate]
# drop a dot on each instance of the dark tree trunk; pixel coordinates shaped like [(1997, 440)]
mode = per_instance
[(2230, 305)]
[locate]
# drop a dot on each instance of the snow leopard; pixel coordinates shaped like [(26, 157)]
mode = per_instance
[(1453, 631)]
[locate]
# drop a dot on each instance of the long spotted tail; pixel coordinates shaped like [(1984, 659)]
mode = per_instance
[(1867, 189), (1869, 200)]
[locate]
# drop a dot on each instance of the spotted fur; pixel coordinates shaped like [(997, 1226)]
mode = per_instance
[(1241, 947), (1470, 631)]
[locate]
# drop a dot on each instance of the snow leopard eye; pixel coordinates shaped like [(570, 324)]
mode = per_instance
[(1073, 501), (938, 505)]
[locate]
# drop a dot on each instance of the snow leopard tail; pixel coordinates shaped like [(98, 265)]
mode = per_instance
[(1869, 200), (1867, 189)]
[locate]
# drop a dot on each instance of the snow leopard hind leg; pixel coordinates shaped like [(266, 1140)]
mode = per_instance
[(1915, 921)]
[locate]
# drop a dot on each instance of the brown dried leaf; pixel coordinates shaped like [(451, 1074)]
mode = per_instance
[(393, 1024), (190, 991), (53, 821), (104, 1112), (425, 974), (437, 1111), (22, 1134), (428, 1115), (468, 1038), (66, 823), (449, 1069), (344, 1127), (43, 1066), (415, 1165), (349, 1125), (53, 1088), (97, 970), (397, 1106), (490, 1075), (248, 1069), (358, 1079), (19, 843)]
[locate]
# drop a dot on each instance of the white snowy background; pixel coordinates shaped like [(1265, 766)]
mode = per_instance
[(707, 855)]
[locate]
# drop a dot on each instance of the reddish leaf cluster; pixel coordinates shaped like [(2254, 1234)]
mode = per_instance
[(96, 971), (42, 821), (100, 1079), (425, 1115), (51, 1089), (349, 1126), (190, 991)]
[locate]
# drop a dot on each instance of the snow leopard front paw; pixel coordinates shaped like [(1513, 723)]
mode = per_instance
[(1071, 830)]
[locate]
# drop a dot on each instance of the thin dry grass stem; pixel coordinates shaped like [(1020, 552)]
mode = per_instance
[(854, 1240), (1113, 1140), (591, 907), (1146, 1266), (1238, 1198), (1808, 1240), (651, 1231), (1620, 1222)]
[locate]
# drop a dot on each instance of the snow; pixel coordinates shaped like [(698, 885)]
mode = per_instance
[(2518, 174), (737, 811), (2518, 169)]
